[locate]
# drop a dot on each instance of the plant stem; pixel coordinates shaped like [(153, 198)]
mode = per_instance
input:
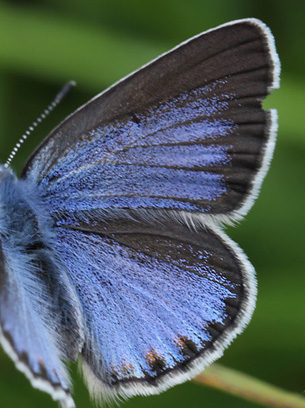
[(249, 388)]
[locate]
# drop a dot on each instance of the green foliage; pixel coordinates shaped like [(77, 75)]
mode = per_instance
[(45, 43)]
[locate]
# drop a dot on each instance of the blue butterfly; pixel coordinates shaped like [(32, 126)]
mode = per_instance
[(112, 250)]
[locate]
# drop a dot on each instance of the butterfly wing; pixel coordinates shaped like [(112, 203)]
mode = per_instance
[(186, 132), (27, 318), (160, 302)]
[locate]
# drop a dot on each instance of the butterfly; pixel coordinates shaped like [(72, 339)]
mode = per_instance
[(112, 246)]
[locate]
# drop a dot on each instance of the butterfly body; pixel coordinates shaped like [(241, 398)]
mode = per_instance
[(112, 250), (34, 290)]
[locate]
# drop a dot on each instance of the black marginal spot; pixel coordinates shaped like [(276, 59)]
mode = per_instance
[(188, 347), (114, 376), (215, 330), (157, 364), (44, 373), (24, 358)]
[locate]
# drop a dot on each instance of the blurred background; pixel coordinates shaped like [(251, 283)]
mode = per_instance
[(44, 43)]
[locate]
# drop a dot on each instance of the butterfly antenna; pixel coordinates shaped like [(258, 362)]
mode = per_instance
[(61, 94)]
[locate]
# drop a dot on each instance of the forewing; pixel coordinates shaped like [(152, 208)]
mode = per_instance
[(160, 302), (185, 132), (27, 321)]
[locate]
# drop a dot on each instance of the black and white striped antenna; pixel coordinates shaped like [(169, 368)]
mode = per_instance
[(61, 94)]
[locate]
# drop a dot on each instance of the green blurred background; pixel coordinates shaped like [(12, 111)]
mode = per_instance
[(45, 43)]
